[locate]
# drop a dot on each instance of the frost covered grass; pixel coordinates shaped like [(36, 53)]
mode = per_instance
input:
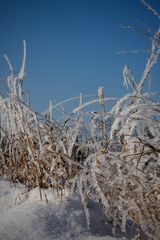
[(106, 150)]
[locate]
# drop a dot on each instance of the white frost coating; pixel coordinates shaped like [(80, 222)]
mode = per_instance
[(100, 92), (152, 59), (110, 99), (15, 83), (9, 64), (151, 9), (21, 74), (50, 110), (129, 79)]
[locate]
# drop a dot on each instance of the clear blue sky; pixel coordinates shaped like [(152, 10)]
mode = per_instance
[(72, 45)]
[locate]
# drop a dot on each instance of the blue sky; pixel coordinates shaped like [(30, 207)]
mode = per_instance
[(72, 45)]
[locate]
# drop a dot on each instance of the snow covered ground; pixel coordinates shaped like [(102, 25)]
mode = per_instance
[(25, 217)]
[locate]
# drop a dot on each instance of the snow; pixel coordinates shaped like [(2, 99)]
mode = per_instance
[(24, 216)]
